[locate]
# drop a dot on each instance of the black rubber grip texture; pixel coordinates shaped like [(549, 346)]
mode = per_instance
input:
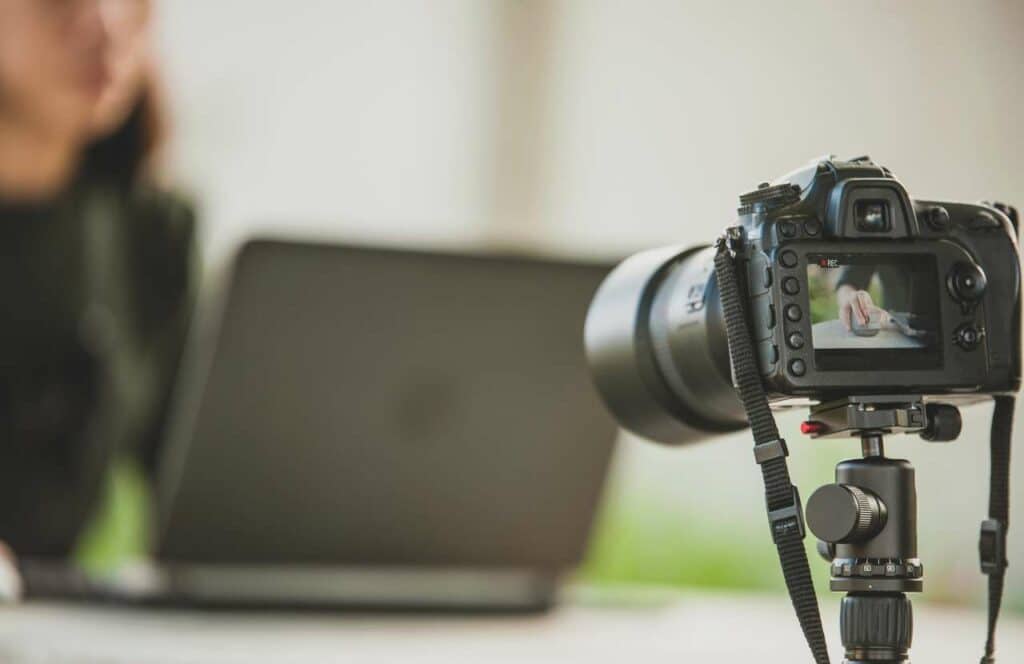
[(865, 514), (876, 622)]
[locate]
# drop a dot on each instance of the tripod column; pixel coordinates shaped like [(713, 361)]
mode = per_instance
[(876, 627), (867, 522)]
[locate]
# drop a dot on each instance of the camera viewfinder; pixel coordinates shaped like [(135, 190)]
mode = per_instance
[(872, 216)]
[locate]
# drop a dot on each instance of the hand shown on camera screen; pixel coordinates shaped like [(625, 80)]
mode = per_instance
[(857, 304)]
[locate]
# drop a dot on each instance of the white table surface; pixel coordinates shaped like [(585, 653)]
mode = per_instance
[(832, 334), (588, 628)]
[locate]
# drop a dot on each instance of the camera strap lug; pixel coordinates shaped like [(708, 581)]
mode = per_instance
[(731, 241)]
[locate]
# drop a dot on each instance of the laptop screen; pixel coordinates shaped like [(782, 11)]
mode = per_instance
[(370, 406)]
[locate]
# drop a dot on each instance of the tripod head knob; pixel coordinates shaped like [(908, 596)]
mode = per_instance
[(944, 423), (841, 513)]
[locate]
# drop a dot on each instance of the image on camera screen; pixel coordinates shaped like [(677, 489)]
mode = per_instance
[(872, 302)]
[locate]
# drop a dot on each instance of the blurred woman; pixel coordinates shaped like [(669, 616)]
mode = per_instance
[(96, 262)]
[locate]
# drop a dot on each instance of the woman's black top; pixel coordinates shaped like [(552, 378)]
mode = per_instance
[(96, 293)]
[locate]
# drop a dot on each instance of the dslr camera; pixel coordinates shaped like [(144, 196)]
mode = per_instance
[(882, 313), (851, 288)]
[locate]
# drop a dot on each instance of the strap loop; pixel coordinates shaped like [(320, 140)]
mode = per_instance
[(773, 449), (992, 547), (788, 520)]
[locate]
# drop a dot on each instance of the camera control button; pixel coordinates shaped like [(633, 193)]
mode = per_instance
[(966, 282), (788, 258), (787, 229), (795, 341), (812, 227), (790, 286), (793, 313), (967, 336), (797, 367), (937, 218)]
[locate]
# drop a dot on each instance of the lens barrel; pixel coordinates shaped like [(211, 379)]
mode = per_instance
[(657, 348)]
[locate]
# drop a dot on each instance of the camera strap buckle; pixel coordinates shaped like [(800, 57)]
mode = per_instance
[(788, 519), (992, 547)]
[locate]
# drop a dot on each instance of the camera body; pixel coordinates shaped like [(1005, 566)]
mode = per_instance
[(957, 282), (852, 288)]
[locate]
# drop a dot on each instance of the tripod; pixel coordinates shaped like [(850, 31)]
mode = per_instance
[(866, 522)]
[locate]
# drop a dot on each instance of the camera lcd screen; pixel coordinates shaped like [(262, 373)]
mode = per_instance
[(874, 312)]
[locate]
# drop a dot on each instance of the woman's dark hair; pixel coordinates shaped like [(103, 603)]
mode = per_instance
[(125, 155)]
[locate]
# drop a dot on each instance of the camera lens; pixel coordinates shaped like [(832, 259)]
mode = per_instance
[(657, 348), (871, 216)]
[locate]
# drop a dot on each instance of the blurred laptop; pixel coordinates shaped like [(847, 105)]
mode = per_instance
[(384, 428)]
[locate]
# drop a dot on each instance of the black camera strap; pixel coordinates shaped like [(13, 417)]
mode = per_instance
[(785, 514), (992, 543)]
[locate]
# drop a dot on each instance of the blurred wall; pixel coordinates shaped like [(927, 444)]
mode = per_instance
[(663, 112), (581, 126), (597, 127), (355, 119)]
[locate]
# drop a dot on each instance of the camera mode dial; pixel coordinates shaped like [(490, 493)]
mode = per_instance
[(841, 513)]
